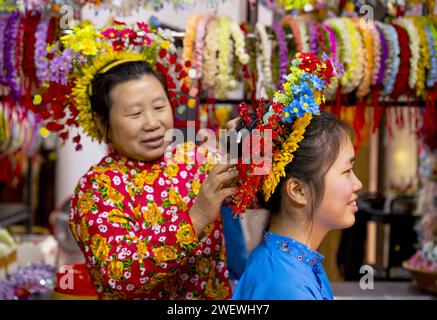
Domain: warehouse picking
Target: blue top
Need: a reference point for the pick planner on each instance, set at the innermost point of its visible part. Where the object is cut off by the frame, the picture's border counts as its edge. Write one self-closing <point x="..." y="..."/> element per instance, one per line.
<point x="281" y="268"/>
<point x="236" y="255"/>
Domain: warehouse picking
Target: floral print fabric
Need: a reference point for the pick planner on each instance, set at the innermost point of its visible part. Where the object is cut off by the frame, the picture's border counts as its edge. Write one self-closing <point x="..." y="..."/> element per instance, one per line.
<point x="131" y="221"/>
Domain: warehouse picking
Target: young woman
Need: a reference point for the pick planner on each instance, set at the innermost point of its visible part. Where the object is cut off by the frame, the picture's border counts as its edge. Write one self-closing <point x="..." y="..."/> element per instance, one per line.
<point x="318" y="194"/>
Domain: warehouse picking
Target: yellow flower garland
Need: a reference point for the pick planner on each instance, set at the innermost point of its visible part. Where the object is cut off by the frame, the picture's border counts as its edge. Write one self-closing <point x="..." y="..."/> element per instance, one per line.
<point x="81" y="91"/>
<point x="285" y="156"/>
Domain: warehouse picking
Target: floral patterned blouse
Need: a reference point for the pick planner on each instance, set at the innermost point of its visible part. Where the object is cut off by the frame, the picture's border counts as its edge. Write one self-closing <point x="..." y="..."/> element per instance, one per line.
<point x="131" y="221"/>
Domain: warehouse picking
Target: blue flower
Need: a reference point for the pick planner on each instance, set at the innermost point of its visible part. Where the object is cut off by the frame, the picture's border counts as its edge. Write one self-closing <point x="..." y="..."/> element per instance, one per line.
<point x="308" y="104"/>
<point x="317" y="82"/>
<point x="302" y="89"/>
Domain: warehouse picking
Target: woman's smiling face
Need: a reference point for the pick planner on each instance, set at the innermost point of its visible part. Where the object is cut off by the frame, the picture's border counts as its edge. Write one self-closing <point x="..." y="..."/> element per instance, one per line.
<point x="139" y="117"/>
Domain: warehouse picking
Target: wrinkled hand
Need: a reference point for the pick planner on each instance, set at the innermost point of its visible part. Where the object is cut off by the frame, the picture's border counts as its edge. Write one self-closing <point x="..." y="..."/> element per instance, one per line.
<point x="232" y="124"/>
<point x="215" y="188"/>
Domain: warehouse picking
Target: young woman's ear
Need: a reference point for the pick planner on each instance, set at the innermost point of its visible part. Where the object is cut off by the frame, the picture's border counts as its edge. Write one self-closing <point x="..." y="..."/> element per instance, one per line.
<point x="295" y="191"/>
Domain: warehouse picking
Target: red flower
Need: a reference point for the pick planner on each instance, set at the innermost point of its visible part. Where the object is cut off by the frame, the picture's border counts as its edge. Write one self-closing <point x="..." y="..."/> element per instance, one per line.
<point x="144" y="26"/>
<point x="162" y="53"/>
<point x="120" y="23"/>
<point x="117" y="45"/>
<point x="183" y="99"/>
<point x="173" y="58"/>
<point x="111" y="33"/>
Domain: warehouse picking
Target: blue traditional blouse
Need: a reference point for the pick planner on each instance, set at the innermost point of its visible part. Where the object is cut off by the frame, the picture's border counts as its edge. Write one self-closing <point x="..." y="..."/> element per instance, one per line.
<point x="281" y="268"/>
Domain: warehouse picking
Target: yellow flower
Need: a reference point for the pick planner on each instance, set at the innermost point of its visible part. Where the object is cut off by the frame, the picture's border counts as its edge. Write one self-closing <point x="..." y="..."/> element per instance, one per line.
<point x="139" y="180"/>
<point x="164" y="253"/>
<point x="285" y="156"/>
<point x="174" y="197"/>
<point x="99" y="248"/>
<point x="116" y="216"/>
<point x="114" y="195"/>
<point x="165" y="44"/>
<point x="151" y="177"/>
<point x="142" y="249"/>
<point x="137" y="212"/>
<point x="185" y="235"/>
<point x="217" y="292"/>
<point x="209" y="228"/>
<point x="85" y="203"/>
<point x="195" y="186"/>
<point x="203" y="266"/>
<point x="88" y="47"/>
<point x="152" y="214"/>
<point x="103" y="180"/>
<point x="172" y="170"/>
<point x="115" y="270"/>
<point x="84" y="235"/>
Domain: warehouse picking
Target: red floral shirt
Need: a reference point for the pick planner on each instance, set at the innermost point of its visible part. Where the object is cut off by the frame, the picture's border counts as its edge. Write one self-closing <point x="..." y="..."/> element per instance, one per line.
<point x="131" y="221"/>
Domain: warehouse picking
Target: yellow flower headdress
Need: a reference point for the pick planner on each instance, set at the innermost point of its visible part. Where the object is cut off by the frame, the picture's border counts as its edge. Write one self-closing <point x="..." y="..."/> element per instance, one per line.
<point x="78" y="57"/>
<point x="289" y="114"/>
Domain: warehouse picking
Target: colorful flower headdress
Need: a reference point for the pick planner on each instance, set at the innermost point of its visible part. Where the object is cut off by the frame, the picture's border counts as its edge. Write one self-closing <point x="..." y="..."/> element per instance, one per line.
<point x="79" y="56"/>
<point x="289" y="113"/>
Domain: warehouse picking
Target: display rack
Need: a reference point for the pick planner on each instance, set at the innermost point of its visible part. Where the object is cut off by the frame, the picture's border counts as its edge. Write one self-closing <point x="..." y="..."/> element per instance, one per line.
<point x="13" y="213"/>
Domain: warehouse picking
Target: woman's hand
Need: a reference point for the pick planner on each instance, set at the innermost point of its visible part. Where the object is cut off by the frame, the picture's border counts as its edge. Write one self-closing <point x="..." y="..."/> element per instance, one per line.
<point x="215" y="188"/>
<point x="232" y="124"/>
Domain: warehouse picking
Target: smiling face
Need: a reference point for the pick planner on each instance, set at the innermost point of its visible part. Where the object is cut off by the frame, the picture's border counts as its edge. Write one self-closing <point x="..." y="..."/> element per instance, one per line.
<point x="338" y="206"/>
<point x="140" y="114"/>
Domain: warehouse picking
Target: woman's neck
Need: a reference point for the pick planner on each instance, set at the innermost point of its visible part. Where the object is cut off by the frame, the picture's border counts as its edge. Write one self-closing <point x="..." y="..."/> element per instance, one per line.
<point x="301" y="231"/>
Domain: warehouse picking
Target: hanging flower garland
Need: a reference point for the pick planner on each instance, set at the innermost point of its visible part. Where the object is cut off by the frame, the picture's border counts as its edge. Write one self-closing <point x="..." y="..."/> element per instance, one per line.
<point x="295" y="29"/>
<point x="239" y="43"/>
<point x="304" y="34"/>
<point x="334" y="54"/>
<point x="364" y="87"/>
<point x="265" y="57"/>
<point x="210" y="56"/>
<point x="29" y="69"/>
<point x="351" y="52"/>
<point x="188" y="43"/>
<point x="199" y="44"/>
<point x="424" y="60"/>
<point x="41" y="63"/>
<point x="431" y="35"/>
<point x="282" y="53"/>
<point x="224" y="81"/>
<point x="321" y="41"/>
<point x="312" y="37"/>
<point x="383" y="60"/>
<point x="401" y="83"/>
<point x="10" y="55"/>
<point x="414" y="44"/>
<point x="3" y="24"/>
<point x="392" y="61"/>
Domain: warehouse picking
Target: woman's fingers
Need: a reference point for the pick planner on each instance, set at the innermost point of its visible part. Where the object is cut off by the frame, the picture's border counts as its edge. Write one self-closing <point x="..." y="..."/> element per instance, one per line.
<point x="219" y="168"/>
<point x="224" y="177"/>
<point x="227" y="192"/>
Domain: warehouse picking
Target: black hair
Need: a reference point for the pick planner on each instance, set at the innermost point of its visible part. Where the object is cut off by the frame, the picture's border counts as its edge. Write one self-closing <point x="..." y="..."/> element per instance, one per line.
<point x="103" y="83"/>
<point x="316" y="153"/>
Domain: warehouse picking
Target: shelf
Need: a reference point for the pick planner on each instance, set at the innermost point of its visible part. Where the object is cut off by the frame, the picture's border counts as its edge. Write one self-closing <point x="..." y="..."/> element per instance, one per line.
<point x="11" y="213"/>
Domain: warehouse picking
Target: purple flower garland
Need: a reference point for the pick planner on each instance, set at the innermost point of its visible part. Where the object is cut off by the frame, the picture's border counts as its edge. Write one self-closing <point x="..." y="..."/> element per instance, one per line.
<point x="384" y="55"/>
<point x="3" y="24"/>
<point x="332" y="41"/>
<point x="10" y="51"/>
<point x="313" y="38"/>
<point x="283" y="54"/>
<point x="41" y="62"/>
